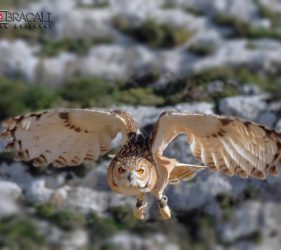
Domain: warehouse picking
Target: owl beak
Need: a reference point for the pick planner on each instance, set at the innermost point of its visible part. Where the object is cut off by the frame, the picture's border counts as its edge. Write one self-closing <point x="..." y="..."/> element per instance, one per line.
<point x="130" y="177"/>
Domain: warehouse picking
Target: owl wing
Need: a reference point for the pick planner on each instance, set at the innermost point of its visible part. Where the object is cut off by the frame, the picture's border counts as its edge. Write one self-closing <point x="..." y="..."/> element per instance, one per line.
<point x="65" y="136"/>
<point x="184" y="172"/>
<point x="226" y="144"/>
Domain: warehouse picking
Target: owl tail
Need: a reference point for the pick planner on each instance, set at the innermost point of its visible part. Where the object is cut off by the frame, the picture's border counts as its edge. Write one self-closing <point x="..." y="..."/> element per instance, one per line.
<point x="184" y="172"/>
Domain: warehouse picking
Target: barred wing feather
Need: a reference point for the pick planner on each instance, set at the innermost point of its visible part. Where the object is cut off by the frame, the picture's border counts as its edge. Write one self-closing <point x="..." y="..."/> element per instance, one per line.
<point x="64" y="136"/>
<point x="226" y="144"/>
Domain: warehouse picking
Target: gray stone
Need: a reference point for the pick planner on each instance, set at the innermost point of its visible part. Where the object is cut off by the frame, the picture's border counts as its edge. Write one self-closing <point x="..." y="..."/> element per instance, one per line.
<point x="241" y="9"/>
<point x="235" y="53"/>
<point x="184" y="196"/>
<point x="200" y="107"/>
<point x="77" y="239"/>
<point x="53" y="71"/>
<point x="244" y="222"/>
<point x="271" y="230"/>
<point x="180" y="150"/>
<point x="36" y="189"/>
<point x="215" y="87"/>
<point x="114" y="61"/>
<point x="2" y="143"/>
<point x="96" y="178"/>
<point x="253" y="218"/>
<point x="17" y="57"/>
<point x="87" y="200"/>
<point x="267" y="119"/>
<point x="9" y="194"/>
<point x="274" y="106"/>
<point x="52" y="5"/>
<point x="249" y="107"/>
<point x="250" y="89"/>
<point x="89" y="22"/>
<point x="72" y="240"/>
<point x="127" y="241"/>
<point x="274" y="5"/>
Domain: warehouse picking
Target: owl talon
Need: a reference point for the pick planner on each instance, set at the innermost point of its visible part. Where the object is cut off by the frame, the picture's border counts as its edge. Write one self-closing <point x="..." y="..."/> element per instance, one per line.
<point x="139" y="210"/>
<point x="164" y="209"/>
<point x="165" y="213"/>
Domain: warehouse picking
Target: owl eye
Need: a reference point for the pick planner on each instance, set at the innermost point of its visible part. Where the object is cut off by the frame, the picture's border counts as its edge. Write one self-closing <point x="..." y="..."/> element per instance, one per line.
<point x="121" y="170"/>
<point x="140" y="171"/>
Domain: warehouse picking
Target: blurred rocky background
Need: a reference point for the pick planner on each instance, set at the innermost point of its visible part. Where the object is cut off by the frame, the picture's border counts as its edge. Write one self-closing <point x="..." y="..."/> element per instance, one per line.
<point x="208" y="56"/>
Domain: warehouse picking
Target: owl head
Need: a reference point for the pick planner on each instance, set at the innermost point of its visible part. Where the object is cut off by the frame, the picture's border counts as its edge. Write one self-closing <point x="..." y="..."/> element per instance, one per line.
<point x="132" y="175"/>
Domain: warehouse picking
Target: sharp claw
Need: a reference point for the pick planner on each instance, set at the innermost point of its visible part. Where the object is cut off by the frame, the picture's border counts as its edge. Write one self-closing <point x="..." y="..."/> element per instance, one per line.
<point x="165" y="213"/>
<point x="144" y="206"/>
<point x="139" y="211"/>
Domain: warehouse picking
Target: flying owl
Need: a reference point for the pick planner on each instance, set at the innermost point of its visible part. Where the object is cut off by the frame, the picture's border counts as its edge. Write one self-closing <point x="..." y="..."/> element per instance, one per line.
<point x="69" y="137"/>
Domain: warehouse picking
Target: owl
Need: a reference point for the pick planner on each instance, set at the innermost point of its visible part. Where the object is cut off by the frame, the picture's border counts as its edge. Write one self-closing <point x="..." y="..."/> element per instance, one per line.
<point x="69" y="137"/>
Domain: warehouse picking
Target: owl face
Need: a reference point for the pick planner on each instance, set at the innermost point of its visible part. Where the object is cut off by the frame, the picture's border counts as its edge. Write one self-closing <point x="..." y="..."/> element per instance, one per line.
<point x="132" y="175"/>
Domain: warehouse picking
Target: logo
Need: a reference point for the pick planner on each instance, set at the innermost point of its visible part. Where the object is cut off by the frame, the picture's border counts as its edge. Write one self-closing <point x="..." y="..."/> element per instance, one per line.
<point x="3" y="16"/>
<point x="25" y="19"/>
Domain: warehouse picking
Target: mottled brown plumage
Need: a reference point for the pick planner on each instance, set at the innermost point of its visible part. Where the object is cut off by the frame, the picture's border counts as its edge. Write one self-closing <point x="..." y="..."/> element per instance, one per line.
<point x="69" y="137"/>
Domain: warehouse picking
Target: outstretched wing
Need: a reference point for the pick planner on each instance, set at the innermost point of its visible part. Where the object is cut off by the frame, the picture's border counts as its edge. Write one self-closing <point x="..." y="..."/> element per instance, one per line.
<point x="65" y="136"/>
<point x="226" y="144"/>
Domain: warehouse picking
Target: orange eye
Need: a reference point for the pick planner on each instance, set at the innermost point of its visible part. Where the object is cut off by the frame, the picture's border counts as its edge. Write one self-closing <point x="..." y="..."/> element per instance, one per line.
<point x="140" y="171"/>
<point x="121" y="170"/>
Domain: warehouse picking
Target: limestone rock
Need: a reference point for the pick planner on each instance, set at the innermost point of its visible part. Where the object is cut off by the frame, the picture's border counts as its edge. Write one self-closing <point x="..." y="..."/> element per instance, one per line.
<point x="248" y="107"/>
<point x="17" y="57"/>
<point x="9" y="195"/>
<point x="129" y="241"/>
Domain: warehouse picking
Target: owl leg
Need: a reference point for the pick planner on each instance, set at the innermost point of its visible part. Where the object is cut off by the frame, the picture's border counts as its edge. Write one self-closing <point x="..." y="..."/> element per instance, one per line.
<point x="140" y="206"/>
<point x="164" y="209"/>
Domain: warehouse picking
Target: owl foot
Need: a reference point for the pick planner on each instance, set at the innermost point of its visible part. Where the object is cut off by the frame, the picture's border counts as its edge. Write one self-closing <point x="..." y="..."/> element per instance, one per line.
<point x="164" y="209"/>
<point x="139" y="210"/>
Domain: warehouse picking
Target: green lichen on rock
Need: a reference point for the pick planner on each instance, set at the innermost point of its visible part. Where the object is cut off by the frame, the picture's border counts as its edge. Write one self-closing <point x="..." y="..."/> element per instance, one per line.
<point x="240" y="28"/>
<point x="123" y="216"/>
<point x="202" y="49"/>
<point x="226" y="204"/>
<point x="96" y="5"/>
<point x="79" y="46"/>
<point x="18" y="97"/>
<point x="152" y="33"/>
<point x="193" y="10"/>
<point x="269" y="13"/>
<point x="86" y="91"/>
<point x="65" y="219"/>
<point x="20" y="233"/>
<point x="146" y="96"/>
